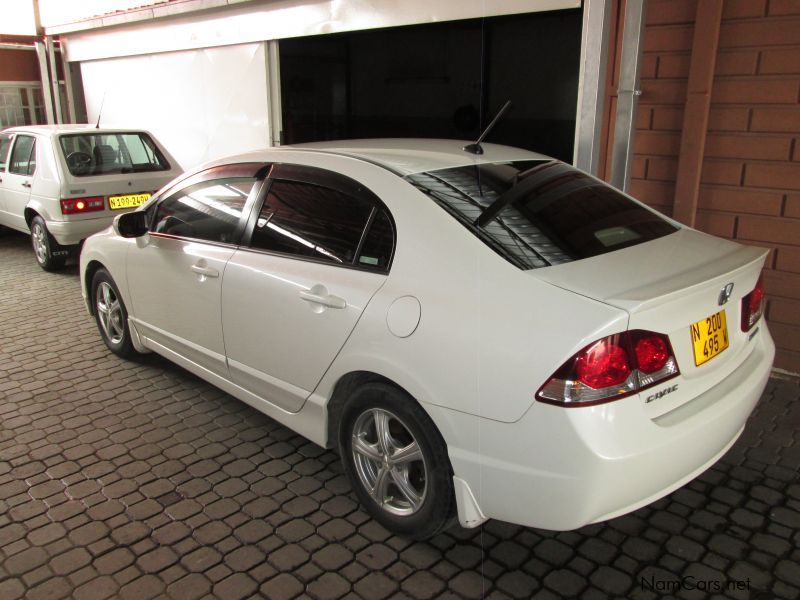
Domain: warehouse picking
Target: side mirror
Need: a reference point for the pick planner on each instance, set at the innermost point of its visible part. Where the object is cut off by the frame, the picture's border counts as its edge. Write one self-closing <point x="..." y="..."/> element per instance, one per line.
<point x="132" y="224"/>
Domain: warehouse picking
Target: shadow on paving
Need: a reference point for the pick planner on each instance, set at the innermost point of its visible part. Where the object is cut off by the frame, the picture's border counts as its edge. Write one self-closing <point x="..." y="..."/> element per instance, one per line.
<point x="136" y="479"/>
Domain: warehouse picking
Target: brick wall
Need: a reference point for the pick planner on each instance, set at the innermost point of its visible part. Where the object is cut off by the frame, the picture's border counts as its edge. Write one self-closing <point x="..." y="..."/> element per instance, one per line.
<point x="18" y="65"/>
<point x="750" y="178"/>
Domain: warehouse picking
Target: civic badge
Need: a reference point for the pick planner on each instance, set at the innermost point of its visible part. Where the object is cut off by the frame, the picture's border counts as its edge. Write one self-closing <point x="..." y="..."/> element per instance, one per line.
<point x="725" y="294"/>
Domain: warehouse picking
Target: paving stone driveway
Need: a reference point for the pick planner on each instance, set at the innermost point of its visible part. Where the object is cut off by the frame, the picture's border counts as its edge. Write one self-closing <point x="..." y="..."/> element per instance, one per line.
<point x="137" y="480"/>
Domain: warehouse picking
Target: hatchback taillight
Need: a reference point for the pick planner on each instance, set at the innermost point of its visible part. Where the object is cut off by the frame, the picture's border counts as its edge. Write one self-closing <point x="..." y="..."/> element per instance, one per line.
<point x="753" y="306"/>
<point x="611" y="368"/>
<point x="74" y="206"/>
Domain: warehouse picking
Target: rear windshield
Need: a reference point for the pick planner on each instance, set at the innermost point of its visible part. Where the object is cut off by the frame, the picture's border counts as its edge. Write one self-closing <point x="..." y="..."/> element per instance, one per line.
<point x="542" y="212"/>
<point x="106" y="153"/>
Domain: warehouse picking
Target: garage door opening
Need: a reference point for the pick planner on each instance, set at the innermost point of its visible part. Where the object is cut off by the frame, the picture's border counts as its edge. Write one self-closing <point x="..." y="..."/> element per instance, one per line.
<point x="438" y="80"/>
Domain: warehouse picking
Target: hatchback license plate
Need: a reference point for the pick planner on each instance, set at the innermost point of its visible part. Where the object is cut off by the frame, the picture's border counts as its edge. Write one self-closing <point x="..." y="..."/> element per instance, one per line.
<point x="127" y="201"/>
<point x="709" y="337"/>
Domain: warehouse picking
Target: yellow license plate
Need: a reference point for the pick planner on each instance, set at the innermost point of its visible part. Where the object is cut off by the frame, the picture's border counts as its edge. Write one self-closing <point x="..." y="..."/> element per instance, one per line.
<point x="709" y="337"/>
<point x="127" y="201"/>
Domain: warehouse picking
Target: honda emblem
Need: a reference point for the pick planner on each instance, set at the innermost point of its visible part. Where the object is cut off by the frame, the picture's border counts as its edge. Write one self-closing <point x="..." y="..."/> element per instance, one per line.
<point x="725" y="294"/>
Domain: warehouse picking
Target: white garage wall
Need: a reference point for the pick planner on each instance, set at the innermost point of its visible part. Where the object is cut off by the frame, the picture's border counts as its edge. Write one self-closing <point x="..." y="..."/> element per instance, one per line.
<point x="174" y="27"/>
<point x="202" y="104"/>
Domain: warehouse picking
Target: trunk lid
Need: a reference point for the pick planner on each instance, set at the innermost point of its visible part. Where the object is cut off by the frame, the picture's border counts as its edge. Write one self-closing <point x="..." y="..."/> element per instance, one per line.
<point x="666" y="286"/>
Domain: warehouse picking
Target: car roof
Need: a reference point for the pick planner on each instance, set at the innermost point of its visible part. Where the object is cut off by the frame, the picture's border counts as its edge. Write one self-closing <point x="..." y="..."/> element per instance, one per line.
<point x="403" y="156"/>
<point x="52" y="130"/>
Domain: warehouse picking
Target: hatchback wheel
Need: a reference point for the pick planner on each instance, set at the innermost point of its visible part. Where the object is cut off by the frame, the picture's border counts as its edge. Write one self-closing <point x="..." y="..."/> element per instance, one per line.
<point x="396" y="461"/>
<point x="111" y="315"/>
<point x="44" y="245"/>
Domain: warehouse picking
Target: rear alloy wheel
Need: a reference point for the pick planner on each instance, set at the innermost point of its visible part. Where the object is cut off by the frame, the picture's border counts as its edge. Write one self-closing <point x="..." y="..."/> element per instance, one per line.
<point x="44" y="245"/>
<point x="396" y="461"/>
<point x="111" y="315"/>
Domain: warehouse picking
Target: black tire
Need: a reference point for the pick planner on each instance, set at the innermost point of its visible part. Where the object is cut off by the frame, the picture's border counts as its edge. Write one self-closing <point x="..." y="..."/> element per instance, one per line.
<point x="111" y="315"/>
<point x="44" y="246"/>
<point x="428" y="480"/>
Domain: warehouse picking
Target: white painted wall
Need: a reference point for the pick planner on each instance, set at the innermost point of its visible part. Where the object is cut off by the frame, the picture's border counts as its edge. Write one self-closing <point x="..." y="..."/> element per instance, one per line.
<point x="202" y="104"/>
<point x="57" y="12"/>
<point x="17" y="17"/>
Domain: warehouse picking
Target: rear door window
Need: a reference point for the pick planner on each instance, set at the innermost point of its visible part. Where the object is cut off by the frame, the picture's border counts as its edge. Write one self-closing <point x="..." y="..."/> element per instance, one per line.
<point x="111" y="153"/>
<point x="318" y="215"/>
<point x="376" y="248"/>
<point x="23" y="156"/>
<point x="541" y="213"/>
<point x="312" y="221"/>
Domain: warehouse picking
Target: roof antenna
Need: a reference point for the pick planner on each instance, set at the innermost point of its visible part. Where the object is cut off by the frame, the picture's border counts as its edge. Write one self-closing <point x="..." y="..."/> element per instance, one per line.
<point x="100" y="112"/>
<point x="476" y="147"/>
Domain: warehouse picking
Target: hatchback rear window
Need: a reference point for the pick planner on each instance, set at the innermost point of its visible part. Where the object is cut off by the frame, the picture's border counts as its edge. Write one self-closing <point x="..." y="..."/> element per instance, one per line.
<point x="541" y="213"/>
<point x="107" y="153"/>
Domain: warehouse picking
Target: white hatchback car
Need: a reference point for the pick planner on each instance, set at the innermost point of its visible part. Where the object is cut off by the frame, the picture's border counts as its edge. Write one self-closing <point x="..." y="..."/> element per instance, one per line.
<point x="493" y="336"/>
<point x="63" y="183"/>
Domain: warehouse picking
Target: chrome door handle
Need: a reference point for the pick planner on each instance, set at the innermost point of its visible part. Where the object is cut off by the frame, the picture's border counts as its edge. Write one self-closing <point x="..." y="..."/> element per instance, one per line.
<point x="207" y="271"/>
<point x="26" y="184"/>
<point x="328" y="300"/>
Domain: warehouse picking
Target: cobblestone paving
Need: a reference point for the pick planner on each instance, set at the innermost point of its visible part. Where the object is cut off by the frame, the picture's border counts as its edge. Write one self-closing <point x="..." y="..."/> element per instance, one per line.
<point x="137" y="480"/>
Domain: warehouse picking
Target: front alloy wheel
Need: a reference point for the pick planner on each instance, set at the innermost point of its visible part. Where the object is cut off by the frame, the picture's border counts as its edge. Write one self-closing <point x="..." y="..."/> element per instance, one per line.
<point x="111" y="315"/>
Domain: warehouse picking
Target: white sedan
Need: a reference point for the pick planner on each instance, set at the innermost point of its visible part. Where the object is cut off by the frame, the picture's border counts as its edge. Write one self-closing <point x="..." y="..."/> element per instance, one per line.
<point x="63" y="183"/>
<point x="493" y="335"/>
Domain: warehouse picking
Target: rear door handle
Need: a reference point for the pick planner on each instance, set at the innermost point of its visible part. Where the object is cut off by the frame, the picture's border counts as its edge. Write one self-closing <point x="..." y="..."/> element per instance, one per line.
<point x="26" y="184"/>
<point x="328" y="300"/>
<point x="207" y="271"/>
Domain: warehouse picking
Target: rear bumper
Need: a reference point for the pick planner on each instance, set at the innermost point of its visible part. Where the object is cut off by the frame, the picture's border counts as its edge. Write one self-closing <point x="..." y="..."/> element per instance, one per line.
<point x="560" y="469"/>
<point x="68" y="233"/>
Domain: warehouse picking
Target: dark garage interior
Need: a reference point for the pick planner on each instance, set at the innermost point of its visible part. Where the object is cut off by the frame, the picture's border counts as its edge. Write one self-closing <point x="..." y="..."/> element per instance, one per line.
<point x="442" y="80"/>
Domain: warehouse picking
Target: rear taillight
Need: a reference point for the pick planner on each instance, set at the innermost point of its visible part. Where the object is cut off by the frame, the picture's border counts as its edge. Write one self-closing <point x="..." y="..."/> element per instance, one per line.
<point x="74" y="206"/>
<point x="753" y="306"/>
<point x="611" y="368"/>
<point x="602" y="365"/>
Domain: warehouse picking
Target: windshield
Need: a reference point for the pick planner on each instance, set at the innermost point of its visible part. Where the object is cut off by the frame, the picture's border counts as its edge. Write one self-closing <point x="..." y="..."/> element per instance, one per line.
<point x="106" y="153"/>
<point x="541" y="213"/>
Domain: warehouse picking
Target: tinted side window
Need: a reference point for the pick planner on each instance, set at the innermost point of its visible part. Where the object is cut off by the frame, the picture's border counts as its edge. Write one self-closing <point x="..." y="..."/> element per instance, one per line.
<point x="376" y="250"/>
<point x="5" y="144"/>
<point x="312" y="221"/>
<point x="23" y="156"/>
<point x="209" y="210"/>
